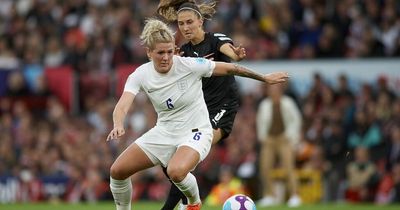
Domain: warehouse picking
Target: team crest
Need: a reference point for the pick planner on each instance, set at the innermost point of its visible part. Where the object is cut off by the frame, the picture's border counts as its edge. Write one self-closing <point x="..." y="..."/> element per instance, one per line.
<point x="182" y="85"/>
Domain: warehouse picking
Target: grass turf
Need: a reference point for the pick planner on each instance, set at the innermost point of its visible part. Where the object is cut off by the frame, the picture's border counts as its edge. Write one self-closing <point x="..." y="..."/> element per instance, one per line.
<point x="157" y="206"/>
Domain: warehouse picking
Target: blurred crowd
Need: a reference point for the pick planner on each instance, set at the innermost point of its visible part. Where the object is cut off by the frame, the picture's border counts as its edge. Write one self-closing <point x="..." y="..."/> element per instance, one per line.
<point x="96" y="35"/>
<point x="344" y="133"/>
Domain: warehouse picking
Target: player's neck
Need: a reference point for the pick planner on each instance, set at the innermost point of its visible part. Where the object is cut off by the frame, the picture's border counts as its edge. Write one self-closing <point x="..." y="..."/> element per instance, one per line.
<point x="199" y="38"/>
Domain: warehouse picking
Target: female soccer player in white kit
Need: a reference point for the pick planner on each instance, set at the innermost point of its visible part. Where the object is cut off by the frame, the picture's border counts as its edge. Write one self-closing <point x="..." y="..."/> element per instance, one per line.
<point x="182" y="135"/>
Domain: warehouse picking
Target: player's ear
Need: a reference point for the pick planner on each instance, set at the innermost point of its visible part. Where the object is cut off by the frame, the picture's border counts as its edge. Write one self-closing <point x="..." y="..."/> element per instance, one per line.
<point x="148" y="52"/>
<point x="201" y="22"/>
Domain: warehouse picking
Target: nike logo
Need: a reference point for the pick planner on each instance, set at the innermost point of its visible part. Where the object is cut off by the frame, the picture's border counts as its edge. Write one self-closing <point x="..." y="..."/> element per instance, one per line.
<point x="197" y="54"/>
<point x="151" y="90"/>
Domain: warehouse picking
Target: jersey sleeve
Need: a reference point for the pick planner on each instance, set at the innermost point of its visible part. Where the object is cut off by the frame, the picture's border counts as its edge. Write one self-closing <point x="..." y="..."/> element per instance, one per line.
<point x="201" y="66"/>
<point x="133" y="84"/>
<point x="219" y="39"/>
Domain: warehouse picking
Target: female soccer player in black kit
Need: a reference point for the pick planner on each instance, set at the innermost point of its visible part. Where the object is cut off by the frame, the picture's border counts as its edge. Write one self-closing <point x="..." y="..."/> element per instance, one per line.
<point x="220" y="92"/>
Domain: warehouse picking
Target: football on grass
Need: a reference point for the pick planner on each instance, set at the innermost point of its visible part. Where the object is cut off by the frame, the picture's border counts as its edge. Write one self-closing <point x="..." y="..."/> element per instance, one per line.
<point x="239" y="202"/>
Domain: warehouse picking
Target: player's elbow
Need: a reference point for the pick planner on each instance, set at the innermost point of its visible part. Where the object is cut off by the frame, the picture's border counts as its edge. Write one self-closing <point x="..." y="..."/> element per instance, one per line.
<point x="226" y="69"/>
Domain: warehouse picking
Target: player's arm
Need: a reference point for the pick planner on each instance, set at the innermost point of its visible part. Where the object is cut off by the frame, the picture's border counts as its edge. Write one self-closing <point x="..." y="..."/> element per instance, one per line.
<point x="235" y="53"/>
<point x="119" y="114"/>
<point x="222" y="68"/>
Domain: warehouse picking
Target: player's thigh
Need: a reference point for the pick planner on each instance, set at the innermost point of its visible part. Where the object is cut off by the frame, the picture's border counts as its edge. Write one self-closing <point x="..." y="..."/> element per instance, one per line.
<point x="130" y="161"/>
<point x="222" y="122"/>
<point x="182" y="162"/>
<point x="193" y="149"/>
<point x="217" y="135"/>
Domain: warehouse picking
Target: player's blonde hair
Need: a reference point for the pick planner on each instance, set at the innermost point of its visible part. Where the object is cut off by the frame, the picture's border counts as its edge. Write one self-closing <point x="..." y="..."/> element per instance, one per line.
<point x="155" y="31"/>
<point x="169" y="9"/>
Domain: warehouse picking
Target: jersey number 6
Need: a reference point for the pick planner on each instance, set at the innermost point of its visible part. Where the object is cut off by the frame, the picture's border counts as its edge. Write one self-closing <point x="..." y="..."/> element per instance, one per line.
<point x="197" y="136"/>
<point x="170" y="105"/>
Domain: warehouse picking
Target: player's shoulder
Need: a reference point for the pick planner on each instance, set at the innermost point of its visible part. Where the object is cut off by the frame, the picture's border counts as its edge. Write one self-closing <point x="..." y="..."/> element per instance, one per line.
<point x="140" y="70"/>
<point x="143" y="67"/>
<point x="188" y="61"/>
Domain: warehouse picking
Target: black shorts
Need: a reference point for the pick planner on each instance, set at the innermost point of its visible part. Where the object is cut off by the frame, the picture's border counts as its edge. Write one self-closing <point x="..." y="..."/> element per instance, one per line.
<point x="223" y="118"/>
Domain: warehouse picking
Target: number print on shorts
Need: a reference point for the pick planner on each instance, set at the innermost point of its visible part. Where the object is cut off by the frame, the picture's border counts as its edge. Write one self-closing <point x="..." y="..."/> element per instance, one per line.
<point x="219" y="116"/>
<point x="197" y="136"/>
<point x="170" y="105"/>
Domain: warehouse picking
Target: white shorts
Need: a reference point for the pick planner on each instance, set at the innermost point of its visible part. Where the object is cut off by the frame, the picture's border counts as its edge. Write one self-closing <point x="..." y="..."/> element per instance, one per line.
<point x="160" y="146"/>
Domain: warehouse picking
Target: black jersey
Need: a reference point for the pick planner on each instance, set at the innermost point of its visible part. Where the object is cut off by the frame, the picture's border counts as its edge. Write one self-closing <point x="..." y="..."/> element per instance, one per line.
<point x="218" y="90"/>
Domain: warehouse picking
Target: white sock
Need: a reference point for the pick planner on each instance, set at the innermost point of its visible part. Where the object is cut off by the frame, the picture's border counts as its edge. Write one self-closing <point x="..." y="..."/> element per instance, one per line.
<point x="122" y="193"/>
<point x="189" y="188"/>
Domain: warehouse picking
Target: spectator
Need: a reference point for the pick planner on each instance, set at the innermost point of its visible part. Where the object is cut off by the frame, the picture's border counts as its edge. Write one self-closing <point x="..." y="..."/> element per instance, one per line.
<point x="365" y="133"/>
<point x="278" y="129"/>
<point x="396" y="183"/>
<point x="16" y="85"/>
<point x="334" y="152"/>
<point x="393" y="148"/>
<point x="362" y="177"/>
<point x="228" y="186"/>
<point x="54" y="53"/>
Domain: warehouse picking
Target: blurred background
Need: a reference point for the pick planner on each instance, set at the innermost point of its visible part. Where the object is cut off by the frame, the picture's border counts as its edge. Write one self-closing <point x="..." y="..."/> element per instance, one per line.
<point x="63" y="65"/>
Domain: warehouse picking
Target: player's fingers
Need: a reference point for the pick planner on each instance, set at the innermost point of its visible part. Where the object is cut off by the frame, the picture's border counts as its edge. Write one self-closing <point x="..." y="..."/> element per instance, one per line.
<point x="240" y="48"/>
<point x="110" y="136"/>
<point x="121" y="133"/>
<point x="114" y="135"/>
<point x="286" y="75"/>
<point x="232" y="47"/>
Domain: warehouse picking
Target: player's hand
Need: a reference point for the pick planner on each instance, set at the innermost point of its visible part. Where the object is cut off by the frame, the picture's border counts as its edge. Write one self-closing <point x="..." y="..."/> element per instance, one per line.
<point x="239" y="51"/>
<point x="276" y="77"/>
<point x="178" y="51"/>
<point x="116" y="133"/>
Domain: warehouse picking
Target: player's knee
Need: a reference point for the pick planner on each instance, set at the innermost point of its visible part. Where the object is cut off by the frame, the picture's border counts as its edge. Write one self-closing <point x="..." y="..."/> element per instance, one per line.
<point x="176" y="173"/>
<point x="116" y="172"/>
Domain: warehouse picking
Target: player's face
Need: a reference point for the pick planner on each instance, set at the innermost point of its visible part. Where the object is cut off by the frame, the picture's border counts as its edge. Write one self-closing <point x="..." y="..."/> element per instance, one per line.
<point x="161" y="56"/>
<point x="190" y="25"/>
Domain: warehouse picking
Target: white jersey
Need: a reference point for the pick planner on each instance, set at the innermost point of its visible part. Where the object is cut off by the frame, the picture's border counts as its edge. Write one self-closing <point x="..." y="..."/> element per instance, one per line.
<point x="177" y="96"/>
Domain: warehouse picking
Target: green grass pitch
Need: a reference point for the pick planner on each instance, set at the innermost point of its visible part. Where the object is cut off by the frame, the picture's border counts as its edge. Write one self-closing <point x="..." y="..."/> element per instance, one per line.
<point x="157" y="206"/>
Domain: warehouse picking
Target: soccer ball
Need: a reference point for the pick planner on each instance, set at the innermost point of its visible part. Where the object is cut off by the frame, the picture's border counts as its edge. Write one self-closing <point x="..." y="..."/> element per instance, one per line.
<point x="239" y="202"/>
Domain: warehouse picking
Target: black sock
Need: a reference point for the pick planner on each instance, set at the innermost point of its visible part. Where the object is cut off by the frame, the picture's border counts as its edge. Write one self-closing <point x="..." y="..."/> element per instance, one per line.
<point x="174" y="196"/>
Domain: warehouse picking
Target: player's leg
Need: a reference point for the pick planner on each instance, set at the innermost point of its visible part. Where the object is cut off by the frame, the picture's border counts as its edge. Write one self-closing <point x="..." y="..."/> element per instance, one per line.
<point x="184" y="160"/>
<point x="174" y="195"/>
<point x="222" y="122"/>
<point x="190" y="152"/>
<point x="120" y="172"/>
<point x="217" y="135"/>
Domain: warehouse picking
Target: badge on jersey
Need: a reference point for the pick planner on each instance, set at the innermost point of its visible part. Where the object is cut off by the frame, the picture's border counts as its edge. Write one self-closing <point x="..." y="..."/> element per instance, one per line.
<point x="182" y="85"/>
